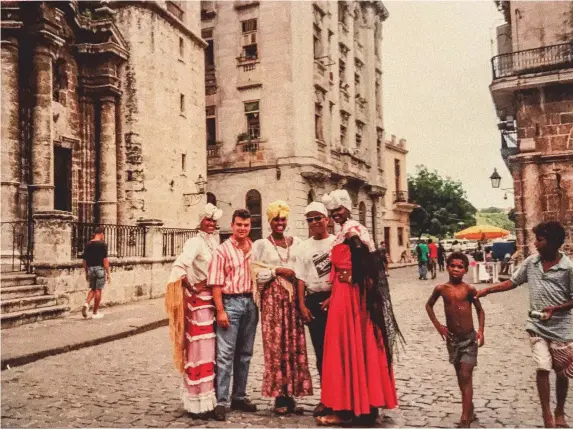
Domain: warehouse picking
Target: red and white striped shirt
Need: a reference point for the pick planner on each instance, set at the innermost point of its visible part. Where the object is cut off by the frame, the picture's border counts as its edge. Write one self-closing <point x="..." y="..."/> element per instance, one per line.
<point x="230" y="268"/>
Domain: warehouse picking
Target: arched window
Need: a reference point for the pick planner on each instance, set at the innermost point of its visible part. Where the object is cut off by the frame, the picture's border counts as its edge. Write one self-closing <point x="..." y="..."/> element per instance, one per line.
<point x="362" y="213"/>
<point x="211" y="198"/>
<point x="253" y="204"/>
<point x="310" y="197"/>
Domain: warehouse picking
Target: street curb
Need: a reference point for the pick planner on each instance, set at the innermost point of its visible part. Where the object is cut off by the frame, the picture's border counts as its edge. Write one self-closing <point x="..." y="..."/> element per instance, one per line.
<point x="38" y="355"/>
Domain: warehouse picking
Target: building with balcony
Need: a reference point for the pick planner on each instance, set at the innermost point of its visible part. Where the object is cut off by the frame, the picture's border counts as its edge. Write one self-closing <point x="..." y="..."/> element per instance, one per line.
<point x="103" y="104"/>
<point x="294" y="106"/>
<point x="532" y="90"/>
<point x="397" y="207"/>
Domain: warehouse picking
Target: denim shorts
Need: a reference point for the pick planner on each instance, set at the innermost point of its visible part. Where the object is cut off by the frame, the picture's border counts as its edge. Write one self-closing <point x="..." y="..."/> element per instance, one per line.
<point x="96" y="277"/>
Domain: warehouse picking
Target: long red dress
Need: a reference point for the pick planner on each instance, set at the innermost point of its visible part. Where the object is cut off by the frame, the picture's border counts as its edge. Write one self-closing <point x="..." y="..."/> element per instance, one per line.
<point x="355" y="371"/>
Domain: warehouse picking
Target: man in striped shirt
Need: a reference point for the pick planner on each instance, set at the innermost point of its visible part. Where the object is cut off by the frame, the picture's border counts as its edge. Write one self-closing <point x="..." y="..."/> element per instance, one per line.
<point x="237" y="315"/>
<point x="550" y="278"/>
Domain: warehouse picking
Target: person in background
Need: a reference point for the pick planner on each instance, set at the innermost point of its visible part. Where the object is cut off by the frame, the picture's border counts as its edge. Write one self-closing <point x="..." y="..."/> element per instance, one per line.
<point x="549" y="276"/>
<point x="432" y="258"/>
<point x="456" y="246"/>
<point x="423" y="253"/>
<point x="189" y="304"/>
<point x="384" y="257"/>
<point x="313" y="271"/>
<point x="441" y="256"/>
<point x="96" y="266"/>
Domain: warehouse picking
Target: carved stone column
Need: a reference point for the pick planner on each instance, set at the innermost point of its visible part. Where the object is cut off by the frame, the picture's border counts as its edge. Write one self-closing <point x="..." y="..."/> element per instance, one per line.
<point x="42" y="186"/>
<point x="107" y="201"/>
<point x="10" y="130"/>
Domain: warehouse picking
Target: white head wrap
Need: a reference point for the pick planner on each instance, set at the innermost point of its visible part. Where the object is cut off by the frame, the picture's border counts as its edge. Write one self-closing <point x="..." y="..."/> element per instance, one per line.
<point x="336" y="199"/>
<point x="316" y="207"/>
<point x="210" y="211"/>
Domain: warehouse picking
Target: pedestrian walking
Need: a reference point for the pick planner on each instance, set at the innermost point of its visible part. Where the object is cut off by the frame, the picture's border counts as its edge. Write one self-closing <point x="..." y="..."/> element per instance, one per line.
<point x="189" y="304"/>
<point x="456" y="246"/>
<point x="236" y="315"/>
<point x="96" y="267"/>
<point x="361" y="331"/>
<point x="432" y="258"/>
<point x="441" y="256"/>
<point x="461" y="338"/>
<point x="422" y="252"/>
<point x="549" y="275"/>
<point x="313" y="271"/>
<point x="287" y="374"/>
<point x="384" y="257"/>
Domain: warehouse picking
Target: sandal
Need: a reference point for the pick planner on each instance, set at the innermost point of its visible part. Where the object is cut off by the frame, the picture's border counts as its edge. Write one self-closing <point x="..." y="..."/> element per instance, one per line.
<point x="332" y="420"/>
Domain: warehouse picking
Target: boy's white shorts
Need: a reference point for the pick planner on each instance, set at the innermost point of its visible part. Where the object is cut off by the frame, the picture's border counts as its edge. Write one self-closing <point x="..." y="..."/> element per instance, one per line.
<point x="541" y="353"/>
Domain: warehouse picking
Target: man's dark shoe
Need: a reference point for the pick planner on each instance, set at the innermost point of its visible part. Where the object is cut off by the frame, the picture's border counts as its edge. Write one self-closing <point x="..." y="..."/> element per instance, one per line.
<point x="244" y="405"/>
<point x="219" y="413"/>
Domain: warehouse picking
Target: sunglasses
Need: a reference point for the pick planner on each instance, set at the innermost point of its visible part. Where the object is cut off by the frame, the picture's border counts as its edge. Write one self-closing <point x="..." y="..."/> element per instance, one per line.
<point x="315" y="219"/>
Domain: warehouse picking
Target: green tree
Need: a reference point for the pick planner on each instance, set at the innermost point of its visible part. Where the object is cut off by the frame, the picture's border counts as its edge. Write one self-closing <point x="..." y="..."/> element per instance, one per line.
<point x="496" y="217"/>
<point x="443" y="207"/>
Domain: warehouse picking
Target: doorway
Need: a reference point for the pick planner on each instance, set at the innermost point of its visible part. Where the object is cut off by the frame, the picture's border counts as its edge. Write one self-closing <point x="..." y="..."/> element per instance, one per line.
<point x="62" y="179"/>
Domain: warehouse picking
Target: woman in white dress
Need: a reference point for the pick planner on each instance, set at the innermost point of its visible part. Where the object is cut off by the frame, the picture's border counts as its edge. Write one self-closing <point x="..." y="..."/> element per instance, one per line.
<point x="189" y="303"/>
<point x="286" y="373"/>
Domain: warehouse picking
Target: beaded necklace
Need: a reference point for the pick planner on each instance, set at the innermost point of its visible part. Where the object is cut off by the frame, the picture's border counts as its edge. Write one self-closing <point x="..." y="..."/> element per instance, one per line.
<point x="277" y="249"/>
<point x="208" y="242"/>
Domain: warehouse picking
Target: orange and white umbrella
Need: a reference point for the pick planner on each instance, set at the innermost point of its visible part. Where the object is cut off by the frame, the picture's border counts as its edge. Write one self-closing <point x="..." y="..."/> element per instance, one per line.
<point x="481" y="232"/>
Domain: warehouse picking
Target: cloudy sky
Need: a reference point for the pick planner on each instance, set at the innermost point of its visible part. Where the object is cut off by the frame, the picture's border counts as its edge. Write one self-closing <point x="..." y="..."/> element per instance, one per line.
<point x="436" y="76"/>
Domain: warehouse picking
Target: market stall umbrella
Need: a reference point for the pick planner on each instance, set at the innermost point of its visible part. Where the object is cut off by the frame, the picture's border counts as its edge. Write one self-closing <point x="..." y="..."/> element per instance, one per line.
<point x="481" y="232"/>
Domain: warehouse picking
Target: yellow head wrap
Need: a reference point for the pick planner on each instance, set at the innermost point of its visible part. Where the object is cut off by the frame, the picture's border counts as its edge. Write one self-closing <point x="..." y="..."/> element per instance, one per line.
<point x="278" y="208"/>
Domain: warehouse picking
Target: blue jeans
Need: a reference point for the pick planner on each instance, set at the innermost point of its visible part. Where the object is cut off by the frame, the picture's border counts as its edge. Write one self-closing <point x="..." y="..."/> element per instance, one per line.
<point x="235" y="347"/>
<point x="423" y="270"/>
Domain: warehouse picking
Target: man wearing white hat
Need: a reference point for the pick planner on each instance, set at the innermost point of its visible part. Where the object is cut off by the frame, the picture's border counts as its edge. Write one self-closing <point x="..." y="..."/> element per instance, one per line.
<point x="313" y="271"/>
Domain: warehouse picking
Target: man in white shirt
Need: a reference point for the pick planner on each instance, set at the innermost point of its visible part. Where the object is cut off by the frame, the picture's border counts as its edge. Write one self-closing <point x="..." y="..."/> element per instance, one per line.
<point x="313" y="272"/>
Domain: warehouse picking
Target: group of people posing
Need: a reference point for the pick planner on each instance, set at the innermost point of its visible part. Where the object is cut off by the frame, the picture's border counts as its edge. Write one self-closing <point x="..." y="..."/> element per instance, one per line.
<point x="335" y="284"/>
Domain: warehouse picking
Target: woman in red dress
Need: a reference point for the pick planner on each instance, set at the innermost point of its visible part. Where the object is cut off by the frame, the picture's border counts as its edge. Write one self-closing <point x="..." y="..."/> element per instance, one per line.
<point x="361" y="329"/>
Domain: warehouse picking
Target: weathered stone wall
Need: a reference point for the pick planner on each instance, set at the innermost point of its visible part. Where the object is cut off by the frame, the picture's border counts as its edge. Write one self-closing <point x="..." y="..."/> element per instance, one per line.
<point x="543" y="171"/>
<point x="540" y="23"/>
<point x="160" y="128"/>
<point x="132" y="279"/>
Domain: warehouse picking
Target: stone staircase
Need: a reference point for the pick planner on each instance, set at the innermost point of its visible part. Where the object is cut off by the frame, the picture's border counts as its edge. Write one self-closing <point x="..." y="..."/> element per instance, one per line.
<point x="24" y="300"/>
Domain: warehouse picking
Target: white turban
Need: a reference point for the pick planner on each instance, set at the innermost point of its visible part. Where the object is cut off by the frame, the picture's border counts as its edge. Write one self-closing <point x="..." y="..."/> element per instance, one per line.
<point x="336" y="199"/>
<point x="210" y="211"/>
<point x="316" y="207"/>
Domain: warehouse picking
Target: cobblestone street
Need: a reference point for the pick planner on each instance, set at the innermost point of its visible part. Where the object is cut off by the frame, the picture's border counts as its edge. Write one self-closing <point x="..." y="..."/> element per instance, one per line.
<point x="132" y="383"/>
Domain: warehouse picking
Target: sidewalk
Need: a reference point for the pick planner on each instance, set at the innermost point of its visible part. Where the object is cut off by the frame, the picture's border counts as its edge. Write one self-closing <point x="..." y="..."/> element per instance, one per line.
<point x="31" y="342"/>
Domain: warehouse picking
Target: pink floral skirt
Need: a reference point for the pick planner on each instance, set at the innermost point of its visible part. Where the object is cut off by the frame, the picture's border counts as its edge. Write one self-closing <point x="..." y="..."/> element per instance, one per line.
<point x="284" y="344"/>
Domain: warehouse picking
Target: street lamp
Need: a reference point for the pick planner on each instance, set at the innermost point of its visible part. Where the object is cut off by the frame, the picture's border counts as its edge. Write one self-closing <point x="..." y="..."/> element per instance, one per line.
<point x="191" y="199"/>
<point x="495" y="179"/>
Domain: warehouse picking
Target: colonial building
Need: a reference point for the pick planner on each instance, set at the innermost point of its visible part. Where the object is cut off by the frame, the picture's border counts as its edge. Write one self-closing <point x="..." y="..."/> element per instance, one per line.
<point x="294" y="106"/>
<point x="532" y="90"/>
<point x="102" y="123"/>
<point x="397" y="208"/>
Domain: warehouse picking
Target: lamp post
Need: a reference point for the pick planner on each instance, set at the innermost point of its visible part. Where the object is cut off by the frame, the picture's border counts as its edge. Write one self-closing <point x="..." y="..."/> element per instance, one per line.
<point x="192" y="199"/>
<point x="495" y="179"/>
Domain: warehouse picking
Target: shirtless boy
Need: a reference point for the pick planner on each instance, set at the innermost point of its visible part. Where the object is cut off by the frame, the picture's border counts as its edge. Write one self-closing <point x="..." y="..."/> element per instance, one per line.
<point x="461" y="339"/>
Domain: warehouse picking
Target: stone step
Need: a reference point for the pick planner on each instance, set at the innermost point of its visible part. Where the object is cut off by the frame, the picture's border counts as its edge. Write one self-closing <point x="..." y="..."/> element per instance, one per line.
<point x="17" y="279"/>
<point x="7" y="293"/>
<point x="27" y="303"/>
<point x="14" y="319"/>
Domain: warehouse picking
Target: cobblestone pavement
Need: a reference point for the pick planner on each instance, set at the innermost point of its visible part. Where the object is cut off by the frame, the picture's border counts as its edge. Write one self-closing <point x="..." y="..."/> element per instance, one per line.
<point x="131" y="382"/>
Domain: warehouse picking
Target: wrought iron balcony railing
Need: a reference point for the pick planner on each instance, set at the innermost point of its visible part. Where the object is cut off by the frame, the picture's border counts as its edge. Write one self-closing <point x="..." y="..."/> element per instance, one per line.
<point x="400" y="197"/>
<point x="533" y="60"/>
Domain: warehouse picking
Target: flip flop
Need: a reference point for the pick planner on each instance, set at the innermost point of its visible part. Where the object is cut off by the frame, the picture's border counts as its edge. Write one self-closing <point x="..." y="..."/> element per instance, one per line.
<point x="332" y="420"/>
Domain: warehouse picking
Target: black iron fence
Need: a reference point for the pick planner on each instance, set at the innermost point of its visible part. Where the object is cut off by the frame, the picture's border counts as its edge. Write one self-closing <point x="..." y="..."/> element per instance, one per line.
<point x="400" y="197"/>
<point x="122" y="240"/>
<point x="532" y="60"/>
<point x="17" y="246"/>
<point x="174" y="239"/>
